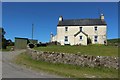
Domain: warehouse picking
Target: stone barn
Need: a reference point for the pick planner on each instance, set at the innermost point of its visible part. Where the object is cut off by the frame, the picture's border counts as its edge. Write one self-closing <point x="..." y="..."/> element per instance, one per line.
<point x="21" y="43"/>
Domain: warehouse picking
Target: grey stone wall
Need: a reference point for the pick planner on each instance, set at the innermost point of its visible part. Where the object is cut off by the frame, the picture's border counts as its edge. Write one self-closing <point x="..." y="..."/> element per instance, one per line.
<point x="74" y="59"/>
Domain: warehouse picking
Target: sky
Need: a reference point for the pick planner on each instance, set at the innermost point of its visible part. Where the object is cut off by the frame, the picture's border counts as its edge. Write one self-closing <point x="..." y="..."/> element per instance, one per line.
<point x="0" y="14"/>
<point x="60" y="0"/>
<point x="17" y="17"/>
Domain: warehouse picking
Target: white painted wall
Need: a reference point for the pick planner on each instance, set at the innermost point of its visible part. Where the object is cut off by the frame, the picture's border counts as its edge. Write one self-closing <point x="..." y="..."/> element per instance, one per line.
<point x="82" y="41"/>
<point x="72" y="30"/>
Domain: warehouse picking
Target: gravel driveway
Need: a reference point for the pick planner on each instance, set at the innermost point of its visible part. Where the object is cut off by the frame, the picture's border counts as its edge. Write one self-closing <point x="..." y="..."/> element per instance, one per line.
<point x="11" y="70"/>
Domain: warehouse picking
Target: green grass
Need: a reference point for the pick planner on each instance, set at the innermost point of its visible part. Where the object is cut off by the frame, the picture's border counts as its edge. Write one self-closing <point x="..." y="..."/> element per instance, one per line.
<point x="113" y="42"/>
<point x="117" y="40"/>
<point x="97" y="50"/>
<point x="66" y="70"/>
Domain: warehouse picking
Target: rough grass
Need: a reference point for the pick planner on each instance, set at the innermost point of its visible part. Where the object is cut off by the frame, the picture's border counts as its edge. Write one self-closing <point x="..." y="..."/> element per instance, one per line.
<point x="117" y="40"/>
<point x="66" y="70"/>
<point x="113" y="42"/>
<point x="97" y="50"/>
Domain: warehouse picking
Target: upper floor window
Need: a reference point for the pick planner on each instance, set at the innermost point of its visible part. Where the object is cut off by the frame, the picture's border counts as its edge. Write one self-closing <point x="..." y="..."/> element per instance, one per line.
<point x="95" y="39"/>
<point x="66" y="38"/>
<point x="80" y="37"/>
<point x="80" y="29"/>
<point x="66" y="28"/>
<point x="95" y="28"/>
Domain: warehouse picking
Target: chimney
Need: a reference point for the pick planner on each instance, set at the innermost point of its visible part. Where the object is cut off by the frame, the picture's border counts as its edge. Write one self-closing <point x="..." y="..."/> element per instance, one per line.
<point x="102" y="16"/>
<point x="51" y="34"/>
<point x="60" y="18"/>
<point x="51" y="37"/>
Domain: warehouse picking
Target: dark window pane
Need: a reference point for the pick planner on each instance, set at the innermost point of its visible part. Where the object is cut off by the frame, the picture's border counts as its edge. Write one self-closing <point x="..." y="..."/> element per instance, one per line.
<point x="95" y="38"/>
<point x="66" y="38"/>
<point x="66" y="28"/>
<point x="80" y="37"/>
<point x="80" y="28"/>
<point x="95" y="28"/>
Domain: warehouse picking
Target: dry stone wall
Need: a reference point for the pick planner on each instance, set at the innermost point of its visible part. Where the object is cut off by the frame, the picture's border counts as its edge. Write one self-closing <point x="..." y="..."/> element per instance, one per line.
<point x="74" y="59"/>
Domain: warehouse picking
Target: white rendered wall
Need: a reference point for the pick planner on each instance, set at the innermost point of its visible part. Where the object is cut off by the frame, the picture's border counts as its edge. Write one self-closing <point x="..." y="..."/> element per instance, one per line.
<point x="72" y="30"/>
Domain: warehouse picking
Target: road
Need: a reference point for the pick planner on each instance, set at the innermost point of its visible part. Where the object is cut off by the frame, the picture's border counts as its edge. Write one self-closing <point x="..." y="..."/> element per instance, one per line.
<point x="11" y="70"/>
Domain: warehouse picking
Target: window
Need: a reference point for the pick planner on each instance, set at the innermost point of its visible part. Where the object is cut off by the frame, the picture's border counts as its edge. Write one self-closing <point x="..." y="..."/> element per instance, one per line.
<point x="66" y="28"/>
<point x="80" y="37"/>
<point x="95" y="38"/>
<point x="95" y="28"/>
<point x="80" y="29"/>
<point x="66" y="38"/>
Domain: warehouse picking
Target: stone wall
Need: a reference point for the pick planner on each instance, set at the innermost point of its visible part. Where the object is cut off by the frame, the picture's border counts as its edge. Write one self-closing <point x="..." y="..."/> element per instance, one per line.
<point x="74" y="59"/>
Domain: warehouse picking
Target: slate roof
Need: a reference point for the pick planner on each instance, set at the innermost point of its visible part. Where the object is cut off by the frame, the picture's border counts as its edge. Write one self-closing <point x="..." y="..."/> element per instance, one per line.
<point x="81" y="22"/>
<point x="21" y="38"/>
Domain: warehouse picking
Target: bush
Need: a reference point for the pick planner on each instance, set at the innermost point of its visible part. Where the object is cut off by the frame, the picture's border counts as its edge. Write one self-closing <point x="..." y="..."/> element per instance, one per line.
<point x="4" y="43"/>
<point x="31" y="45"/>
<point x="43" y="44"/>
<point x="38" y="45"/>
<point x="53" y="43"/>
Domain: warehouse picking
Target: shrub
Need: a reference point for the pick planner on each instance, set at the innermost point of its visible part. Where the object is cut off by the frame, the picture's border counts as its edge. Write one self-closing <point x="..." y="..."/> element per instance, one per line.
<point x="31" y="45"/>
<point x="43" y="44"/>
<point x="38" y="45"/>
<point x="53" y="43"/>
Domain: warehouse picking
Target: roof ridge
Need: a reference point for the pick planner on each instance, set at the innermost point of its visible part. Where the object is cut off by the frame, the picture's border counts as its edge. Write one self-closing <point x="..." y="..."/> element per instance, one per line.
<point x="83" y="19"/>
<point x="81" y="22"/>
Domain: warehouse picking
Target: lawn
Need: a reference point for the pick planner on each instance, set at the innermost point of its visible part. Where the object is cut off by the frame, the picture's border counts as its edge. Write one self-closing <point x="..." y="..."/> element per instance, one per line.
<point x="66" y="70"/>
<point x="96" y="50"/>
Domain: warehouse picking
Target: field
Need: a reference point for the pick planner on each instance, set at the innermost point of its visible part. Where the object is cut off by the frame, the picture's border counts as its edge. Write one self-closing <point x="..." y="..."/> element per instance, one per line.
<point x="66" y="70"/>
<point x="71" y="70"/>
<point x="114" y="42"/>
<point x="96" y="50"/>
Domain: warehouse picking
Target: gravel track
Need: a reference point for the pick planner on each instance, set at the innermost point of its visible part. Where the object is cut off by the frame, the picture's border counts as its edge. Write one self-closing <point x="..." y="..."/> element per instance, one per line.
<point x="11" y="70"/>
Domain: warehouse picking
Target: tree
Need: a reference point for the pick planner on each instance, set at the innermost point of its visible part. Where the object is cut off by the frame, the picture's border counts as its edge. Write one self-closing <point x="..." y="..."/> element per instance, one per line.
<point x="9" y="42"/>
<point x="4" y="43"/>
<point x="0" y="38"/>
<point x="3" y="40"/>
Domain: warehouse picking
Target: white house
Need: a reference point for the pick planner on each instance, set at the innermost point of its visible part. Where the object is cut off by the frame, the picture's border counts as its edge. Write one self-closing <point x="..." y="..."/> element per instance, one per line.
<point x="81" y="31"/>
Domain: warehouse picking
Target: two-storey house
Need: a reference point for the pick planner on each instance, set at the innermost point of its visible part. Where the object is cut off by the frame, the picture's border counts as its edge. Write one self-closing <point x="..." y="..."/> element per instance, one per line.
<point x="81" y="31"/>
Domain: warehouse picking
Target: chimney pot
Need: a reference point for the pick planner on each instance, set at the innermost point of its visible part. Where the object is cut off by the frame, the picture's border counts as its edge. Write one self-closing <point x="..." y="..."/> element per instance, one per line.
<point x="102" y="16"/>
<point x="60" y="18"/>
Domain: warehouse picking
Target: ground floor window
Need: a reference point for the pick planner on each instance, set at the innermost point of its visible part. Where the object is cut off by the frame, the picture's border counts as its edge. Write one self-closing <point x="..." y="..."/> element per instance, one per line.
<point x="95" y="38"/>
<point x="66" y="38"/>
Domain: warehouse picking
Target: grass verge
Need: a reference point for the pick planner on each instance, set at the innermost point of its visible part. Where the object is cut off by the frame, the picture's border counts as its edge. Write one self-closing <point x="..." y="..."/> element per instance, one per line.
<point x="66" y="70"/>
<point x="96" y="50"/>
